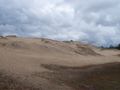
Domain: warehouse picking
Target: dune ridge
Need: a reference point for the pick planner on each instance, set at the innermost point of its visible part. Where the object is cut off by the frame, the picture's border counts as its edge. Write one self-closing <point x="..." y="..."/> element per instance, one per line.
<point x="38" y="63"/>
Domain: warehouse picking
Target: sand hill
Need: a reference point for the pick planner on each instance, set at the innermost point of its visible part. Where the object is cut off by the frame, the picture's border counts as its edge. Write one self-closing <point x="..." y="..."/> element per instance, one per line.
<point x="44" y="64"/>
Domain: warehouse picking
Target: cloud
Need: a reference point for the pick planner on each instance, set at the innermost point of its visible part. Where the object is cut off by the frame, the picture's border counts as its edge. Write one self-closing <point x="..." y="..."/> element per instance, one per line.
<point x="96" y="22"/>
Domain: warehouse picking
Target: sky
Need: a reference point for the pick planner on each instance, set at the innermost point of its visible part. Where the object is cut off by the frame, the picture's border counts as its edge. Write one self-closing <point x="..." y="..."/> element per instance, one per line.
<point x="91" y="21"/>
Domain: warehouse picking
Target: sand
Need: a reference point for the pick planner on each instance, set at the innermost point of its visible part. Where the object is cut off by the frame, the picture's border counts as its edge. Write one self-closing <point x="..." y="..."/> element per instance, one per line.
<point x="23" y="61"/>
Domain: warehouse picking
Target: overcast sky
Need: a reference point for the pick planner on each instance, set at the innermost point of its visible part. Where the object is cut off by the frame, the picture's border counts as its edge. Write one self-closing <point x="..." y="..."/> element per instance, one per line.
<point x="93" y="21"/>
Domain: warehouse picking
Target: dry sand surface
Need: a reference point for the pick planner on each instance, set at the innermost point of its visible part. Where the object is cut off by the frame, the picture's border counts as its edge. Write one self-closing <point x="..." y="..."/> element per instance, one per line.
<point x="44" y="64"/>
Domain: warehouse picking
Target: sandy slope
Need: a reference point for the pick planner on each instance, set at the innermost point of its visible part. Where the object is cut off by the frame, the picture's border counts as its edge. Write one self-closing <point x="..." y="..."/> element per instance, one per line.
<point x="21" y="58"/>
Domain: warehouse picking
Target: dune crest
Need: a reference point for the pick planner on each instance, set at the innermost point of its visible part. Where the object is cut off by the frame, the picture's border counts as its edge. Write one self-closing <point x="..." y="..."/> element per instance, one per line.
<point x="48" y="45"/>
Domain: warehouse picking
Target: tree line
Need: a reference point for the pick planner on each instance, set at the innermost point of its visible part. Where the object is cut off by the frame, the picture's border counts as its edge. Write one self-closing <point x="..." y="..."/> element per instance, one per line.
<point x="112" y="47"/>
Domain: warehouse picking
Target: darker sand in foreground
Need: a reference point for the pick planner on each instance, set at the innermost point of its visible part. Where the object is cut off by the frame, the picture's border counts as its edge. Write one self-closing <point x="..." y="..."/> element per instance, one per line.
<point x="96" y="77"/>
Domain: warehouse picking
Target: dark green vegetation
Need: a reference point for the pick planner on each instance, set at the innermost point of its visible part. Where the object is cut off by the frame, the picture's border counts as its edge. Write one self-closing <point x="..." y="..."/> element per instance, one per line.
<point x="9" y="83"/>
<point x="95" y="77"/>
<point x="71" y="41"/>
<point x="112" y="47"/>
<point x="115" y="47"/>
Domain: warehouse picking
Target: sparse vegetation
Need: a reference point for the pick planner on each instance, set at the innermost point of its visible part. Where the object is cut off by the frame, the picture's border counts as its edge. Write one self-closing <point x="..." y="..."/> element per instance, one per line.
<point x="112" y="47"/>
<point x="11" y="36"/>
<point x="85" y="50"/>
<point x="45" y="64"/>
<point x="71" y="41"/>
<point x="9" y="83"/>
<point x="96" y="77"/>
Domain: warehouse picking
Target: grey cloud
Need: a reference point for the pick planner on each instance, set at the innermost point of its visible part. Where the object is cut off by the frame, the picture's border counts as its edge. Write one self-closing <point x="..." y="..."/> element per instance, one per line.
<point x="93" y="21"/>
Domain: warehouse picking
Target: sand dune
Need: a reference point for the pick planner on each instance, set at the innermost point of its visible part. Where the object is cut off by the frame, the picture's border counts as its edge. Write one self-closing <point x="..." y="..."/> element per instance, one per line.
<point x="22" y="59"/>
